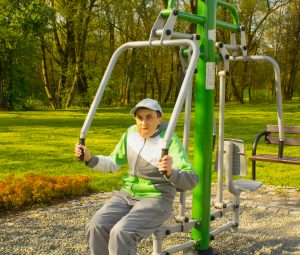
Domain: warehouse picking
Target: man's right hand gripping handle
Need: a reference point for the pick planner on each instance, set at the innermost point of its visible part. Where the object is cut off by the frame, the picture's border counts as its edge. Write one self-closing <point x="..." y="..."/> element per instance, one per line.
<point x="164" y="152"/>
<point x="82" y="142"/>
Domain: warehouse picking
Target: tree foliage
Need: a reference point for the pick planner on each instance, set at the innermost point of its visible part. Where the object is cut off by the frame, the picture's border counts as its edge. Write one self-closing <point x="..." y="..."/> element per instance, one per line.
<point x="56" y="51"/>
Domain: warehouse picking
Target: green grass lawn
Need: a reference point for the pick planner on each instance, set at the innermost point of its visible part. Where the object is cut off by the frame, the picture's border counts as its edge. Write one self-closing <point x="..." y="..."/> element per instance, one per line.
<point x="43" y="142"/>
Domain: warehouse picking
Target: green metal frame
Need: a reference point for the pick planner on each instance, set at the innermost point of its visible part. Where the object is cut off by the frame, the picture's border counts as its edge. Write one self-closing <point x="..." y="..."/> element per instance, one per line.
<point x="204" y="101"/>
<point x="200" y="20"/>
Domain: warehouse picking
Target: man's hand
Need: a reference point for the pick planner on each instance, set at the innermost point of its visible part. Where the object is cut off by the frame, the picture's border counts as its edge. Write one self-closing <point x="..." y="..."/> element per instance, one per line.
<point x="77" y="152"/>
<point x="165" y="165"/>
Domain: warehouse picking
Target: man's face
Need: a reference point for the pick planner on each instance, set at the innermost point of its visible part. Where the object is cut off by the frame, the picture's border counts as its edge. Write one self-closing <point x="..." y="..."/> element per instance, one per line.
<point x="147" y="122"/>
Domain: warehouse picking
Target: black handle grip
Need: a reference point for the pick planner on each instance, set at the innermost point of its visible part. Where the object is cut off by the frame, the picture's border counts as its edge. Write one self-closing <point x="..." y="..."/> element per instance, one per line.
<point x="82" y="142"/>
<point x="164" y="152"/>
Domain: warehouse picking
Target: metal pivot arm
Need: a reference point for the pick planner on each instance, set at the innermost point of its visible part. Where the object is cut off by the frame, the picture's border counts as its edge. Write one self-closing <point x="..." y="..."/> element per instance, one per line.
<point x="186" y="133"/>
<point x="277" y="87"/>
<point x="185" y="87"/>
<point x="225" y="55"/>
<point x="164" y="29"/>
<point x="243" y="42"/>
<point x="143" y="44"/>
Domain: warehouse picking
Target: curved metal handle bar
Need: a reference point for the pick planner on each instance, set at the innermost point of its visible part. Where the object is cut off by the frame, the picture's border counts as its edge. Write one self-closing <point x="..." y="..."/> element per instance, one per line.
<point x="182" y="92"/>
<point x="277" y="86"/>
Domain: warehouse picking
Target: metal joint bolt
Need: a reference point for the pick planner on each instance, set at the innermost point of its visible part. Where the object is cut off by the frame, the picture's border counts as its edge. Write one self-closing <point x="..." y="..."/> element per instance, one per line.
<point x="197" y="37"/>
<point x="168" y="32"/>
<point x="198" y="224"/>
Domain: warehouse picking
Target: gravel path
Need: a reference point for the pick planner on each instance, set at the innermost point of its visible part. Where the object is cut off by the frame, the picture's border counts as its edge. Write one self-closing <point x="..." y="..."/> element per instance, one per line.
<point x="269" y="224"/>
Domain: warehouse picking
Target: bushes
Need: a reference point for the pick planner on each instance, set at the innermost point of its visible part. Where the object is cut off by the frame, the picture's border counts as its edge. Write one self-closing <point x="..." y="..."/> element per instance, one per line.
<point x="17" y="193"/>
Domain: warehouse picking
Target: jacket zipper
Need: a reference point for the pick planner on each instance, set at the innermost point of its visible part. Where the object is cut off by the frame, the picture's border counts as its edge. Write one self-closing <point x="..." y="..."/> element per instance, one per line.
<point x="138" y="157"/>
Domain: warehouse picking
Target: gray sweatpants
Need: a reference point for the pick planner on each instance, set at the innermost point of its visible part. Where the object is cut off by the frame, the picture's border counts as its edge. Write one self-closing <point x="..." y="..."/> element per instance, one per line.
<point x="123" y="221"/>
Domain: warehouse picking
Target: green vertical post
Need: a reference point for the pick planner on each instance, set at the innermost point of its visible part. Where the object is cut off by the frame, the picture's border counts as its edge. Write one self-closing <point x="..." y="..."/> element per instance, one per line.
<point x="204" y="102"/>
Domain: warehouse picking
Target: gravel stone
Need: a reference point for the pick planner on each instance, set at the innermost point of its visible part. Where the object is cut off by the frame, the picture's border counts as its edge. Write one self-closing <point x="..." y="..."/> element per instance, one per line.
<point x="268" y="225"/>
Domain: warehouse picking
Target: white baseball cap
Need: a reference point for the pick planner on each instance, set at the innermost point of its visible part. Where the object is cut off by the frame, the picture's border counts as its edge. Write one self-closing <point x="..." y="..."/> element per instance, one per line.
<point x="147" y="103"/>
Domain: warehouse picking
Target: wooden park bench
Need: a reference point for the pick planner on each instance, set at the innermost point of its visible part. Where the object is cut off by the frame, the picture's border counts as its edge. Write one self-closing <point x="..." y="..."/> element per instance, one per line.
<point x="271" y="137"/>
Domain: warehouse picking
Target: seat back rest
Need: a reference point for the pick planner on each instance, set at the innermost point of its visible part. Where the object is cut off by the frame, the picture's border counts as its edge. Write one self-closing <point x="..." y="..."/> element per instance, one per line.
<point x="292" y="135"/>
<point x="239" y="157"/>
<point x="239" y="167"/>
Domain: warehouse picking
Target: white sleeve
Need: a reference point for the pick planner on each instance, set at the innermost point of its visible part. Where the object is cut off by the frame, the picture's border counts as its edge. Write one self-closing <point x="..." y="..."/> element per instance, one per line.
<point x="103" y="163"/>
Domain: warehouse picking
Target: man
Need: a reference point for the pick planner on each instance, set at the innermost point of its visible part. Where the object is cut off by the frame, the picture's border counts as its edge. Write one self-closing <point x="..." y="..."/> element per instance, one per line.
<point x="146" y="198"/>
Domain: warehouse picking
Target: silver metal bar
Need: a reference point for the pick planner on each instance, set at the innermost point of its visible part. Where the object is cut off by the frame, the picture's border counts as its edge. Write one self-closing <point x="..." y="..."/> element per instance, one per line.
<point x="180" y="247"/>
<point x="233" y="43"/>
<point x="157" y="243"/>
<point x="175" y="35"/>
<point x="166" y="230"/>
<point x="232" y="47"/>
<point x="222" y="228"/>
<point x="187" y="118"/>
<point x="142" y="44"/>
<point x="180" y="217"/>
<point x="183" y="90"/>
<point x="235" y="213"/>
<point x="277" y="86"/>
<point x="188" y="225"/>
<point x="221" y="213"/>
<point x="186" y="135"/>
<point x="222" y="76"/>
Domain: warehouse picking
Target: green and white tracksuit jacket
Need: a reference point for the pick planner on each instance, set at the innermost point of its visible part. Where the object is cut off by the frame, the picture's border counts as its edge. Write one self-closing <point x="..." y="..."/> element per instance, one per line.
<point x="142" y="156"/>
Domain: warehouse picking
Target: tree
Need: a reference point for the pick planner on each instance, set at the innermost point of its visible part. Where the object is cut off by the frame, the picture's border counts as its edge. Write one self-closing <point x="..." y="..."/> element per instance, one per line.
<point x="290" y="44"/>
<point x="70" y="26"/>
<point x="254" y="15"/>
<point x="20" y="21"/>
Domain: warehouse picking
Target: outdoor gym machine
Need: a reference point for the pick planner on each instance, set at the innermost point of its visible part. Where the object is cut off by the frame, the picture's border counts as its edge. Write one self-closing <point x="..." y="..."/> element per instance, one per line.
<point x="198" y="54"/>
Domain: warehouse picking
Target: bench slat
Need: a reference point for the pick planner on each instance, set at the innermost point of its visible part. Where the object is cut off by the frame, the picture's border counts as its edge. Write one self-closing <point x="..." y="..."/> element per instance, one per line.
<point x="276" y="159"/>
<point x="287" y="140"/>
<point x="287" y="129"/>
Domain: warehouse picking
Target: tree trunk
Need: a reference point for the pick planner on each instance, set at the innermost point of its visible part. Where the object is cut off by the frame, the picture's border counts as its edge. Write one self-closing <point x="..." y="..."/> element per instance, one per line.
<point x="171" y="80"/>
<point x="45" y="77"/>
<point x="180" y="77"/>
<point x="2" y="106"/>
<point x="158" y="82"/>
<point x="235" y="90"/>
